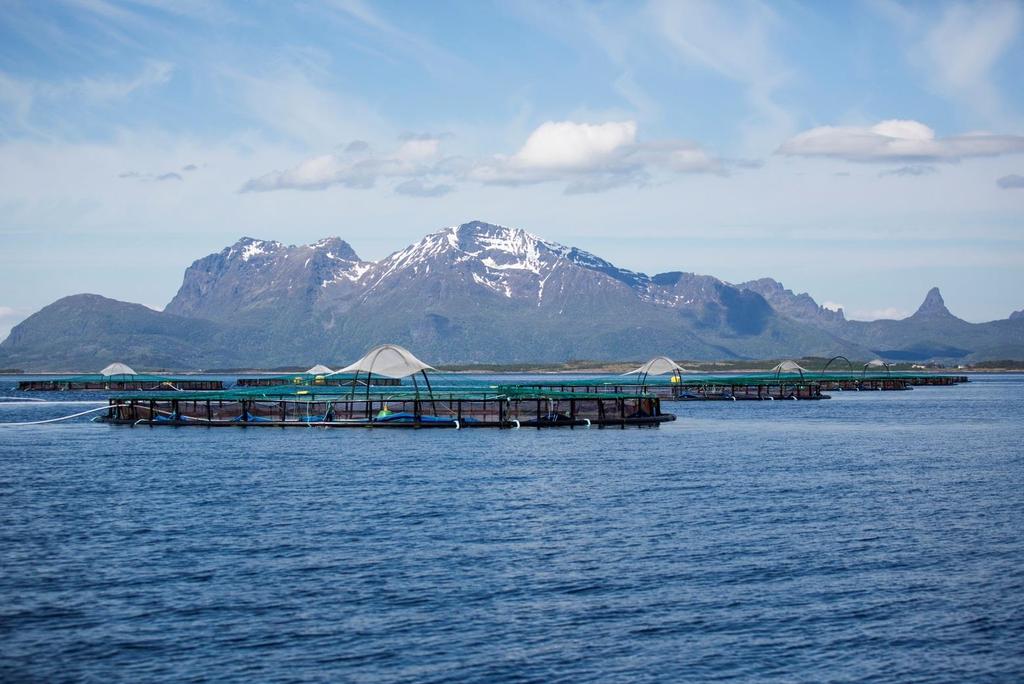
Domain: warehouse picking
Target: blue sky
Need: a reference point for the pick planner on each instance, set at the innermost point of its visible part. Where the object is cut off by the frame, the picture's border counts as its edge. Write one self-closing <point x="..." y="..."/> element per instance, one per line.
<point x="861" y="152"/>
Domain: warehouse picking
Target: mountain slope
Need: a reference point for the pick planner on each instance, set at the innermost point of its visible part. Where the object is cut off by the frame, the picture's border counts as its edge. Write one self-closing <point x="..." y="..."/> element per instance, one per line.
<point x="87" y="331"/>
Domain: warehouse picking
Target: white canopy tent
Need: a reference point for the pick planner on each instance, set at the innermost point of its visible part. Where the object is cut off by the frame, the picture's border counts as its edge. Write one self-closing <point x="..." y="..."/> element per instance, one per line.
<point x="319" y="369"/>
<point x="117" y="369"/>
<point x="789" y="367"/>
<point x="390" y="361"/>
<point x="659" y="365"/>
<point x="875" y="364"/>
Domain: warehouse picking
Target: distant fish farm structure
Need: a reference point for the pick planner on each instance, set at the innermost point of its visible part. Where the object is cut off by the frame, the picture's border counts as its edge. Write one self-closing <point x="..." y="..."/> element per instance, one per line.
<point x="665" y="379"/>
<point x="118" y="377"/>
<point x="365" y="404"/>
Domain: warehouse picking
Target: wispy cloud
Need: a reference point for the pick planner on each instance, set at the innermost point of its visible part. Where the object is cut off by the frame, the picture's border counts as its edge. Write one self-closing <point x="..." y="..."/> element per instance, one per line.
<point x="414" y="187"/>
<point x="910" y="170"/>
<point x="961" y="51"/>
<point x="21" y="97"/>
<point x="293" y="101"/>
<point x="739" y="41"/>
<point x="357" y="167"/>
<point x="437" y="60"/>
<point x="898" y="140"/>
<point x="157" y="177"/>
<point x="1011" y="182"/>
<point x="959" y="48"/>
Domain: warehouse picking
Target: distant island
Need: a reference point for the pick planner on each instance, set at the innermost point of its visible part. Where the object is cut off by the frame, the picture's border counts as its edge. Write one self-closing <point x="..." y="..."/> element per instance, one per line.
<point x="482" y="296"/>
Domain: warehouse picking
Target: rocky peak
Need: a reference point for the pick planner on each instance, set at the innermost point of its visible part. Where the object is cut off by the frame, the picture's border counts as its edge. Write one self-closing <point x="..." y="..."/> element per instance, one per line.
<point x="801" y="307"/>
<point x="335" y="248"/>
<point x="247" y="249"/>
<point x="1017" y="315"/>
<point x="933" y="306"/>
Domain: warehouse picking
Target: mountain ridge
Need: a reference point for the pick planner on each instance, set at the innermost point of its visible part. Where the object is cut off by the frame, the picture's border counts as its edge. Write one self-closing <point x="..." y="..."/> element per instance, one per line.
<point x="476" y="292"/>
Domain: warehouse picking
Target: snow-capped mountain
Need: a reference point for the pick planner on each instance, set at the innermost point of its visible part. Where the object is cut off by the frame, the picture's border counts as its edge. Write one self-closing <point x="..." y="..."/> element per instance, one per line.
<point x="263" y="275"/>
<point x="473" y="292"/>
<point x="509" y="262"/>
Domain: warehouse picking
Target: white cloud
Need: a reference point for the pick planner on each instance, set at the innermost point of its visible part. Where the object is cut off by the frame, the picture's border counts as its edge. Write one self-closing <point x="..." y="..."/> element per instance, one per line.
<point x="897" y="140"/>
<point x="832" y="306"/>
<point x="418" y="149"/>
<point x="592" y="158"/>
<point x="568" y="145"/>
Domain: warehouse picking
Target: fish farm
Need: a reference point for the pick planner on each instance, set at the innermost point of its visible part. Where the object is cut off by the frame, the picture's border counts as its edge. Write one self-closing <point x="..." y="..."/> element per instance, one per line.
<point x="391" y="388"/>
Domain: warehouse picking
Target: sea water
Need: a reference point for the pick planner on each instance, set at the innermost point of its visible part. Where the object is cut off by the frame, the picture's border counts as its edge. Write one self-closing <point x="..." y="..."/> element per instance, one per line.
<point x="876" y="536"/>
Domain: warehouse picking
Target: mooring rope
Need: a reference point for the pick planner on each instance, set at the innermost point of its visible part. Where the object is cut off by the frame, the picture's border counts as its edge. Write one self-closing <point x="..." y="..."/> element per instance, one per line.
<point x="56" y="420"/>
<point x="24" y="399"/>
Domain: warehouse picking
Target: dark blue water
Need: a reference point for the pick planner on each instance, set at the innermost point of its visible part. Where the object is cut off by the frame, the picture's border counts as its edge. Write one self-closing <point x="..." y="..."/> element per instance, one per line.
<point x="876" y="536"/>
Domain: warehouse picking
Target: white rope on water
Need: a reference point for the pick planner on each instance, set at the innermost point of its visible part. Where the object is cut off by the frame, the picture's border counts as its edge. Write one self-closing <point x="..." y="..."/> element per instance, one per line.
<point x="56" y="420"/>
<point x="20" y="399"/>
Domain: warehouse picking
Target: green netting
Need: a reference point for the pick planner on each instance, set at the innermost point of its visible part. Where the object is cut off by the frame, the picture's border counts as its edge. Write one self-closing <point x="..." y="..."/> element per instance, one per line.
<point x="333" y="393"/>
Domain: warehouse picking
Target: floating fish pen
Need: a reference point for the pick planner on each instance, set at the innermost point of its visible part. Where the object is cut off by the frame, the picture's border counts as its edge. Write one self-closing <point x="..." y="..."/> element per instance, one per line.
<point x="854" y="384"/>
<point x="707" y="388"/>
<point x="119" y="378"/>
<point x="873" y="375"/>
<point x="650" y="379"/>
<point x="356" y="407"/>
<point x="364" y="403"/>
<point x="929" y="379"/>
<point x="663" y="378"/>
